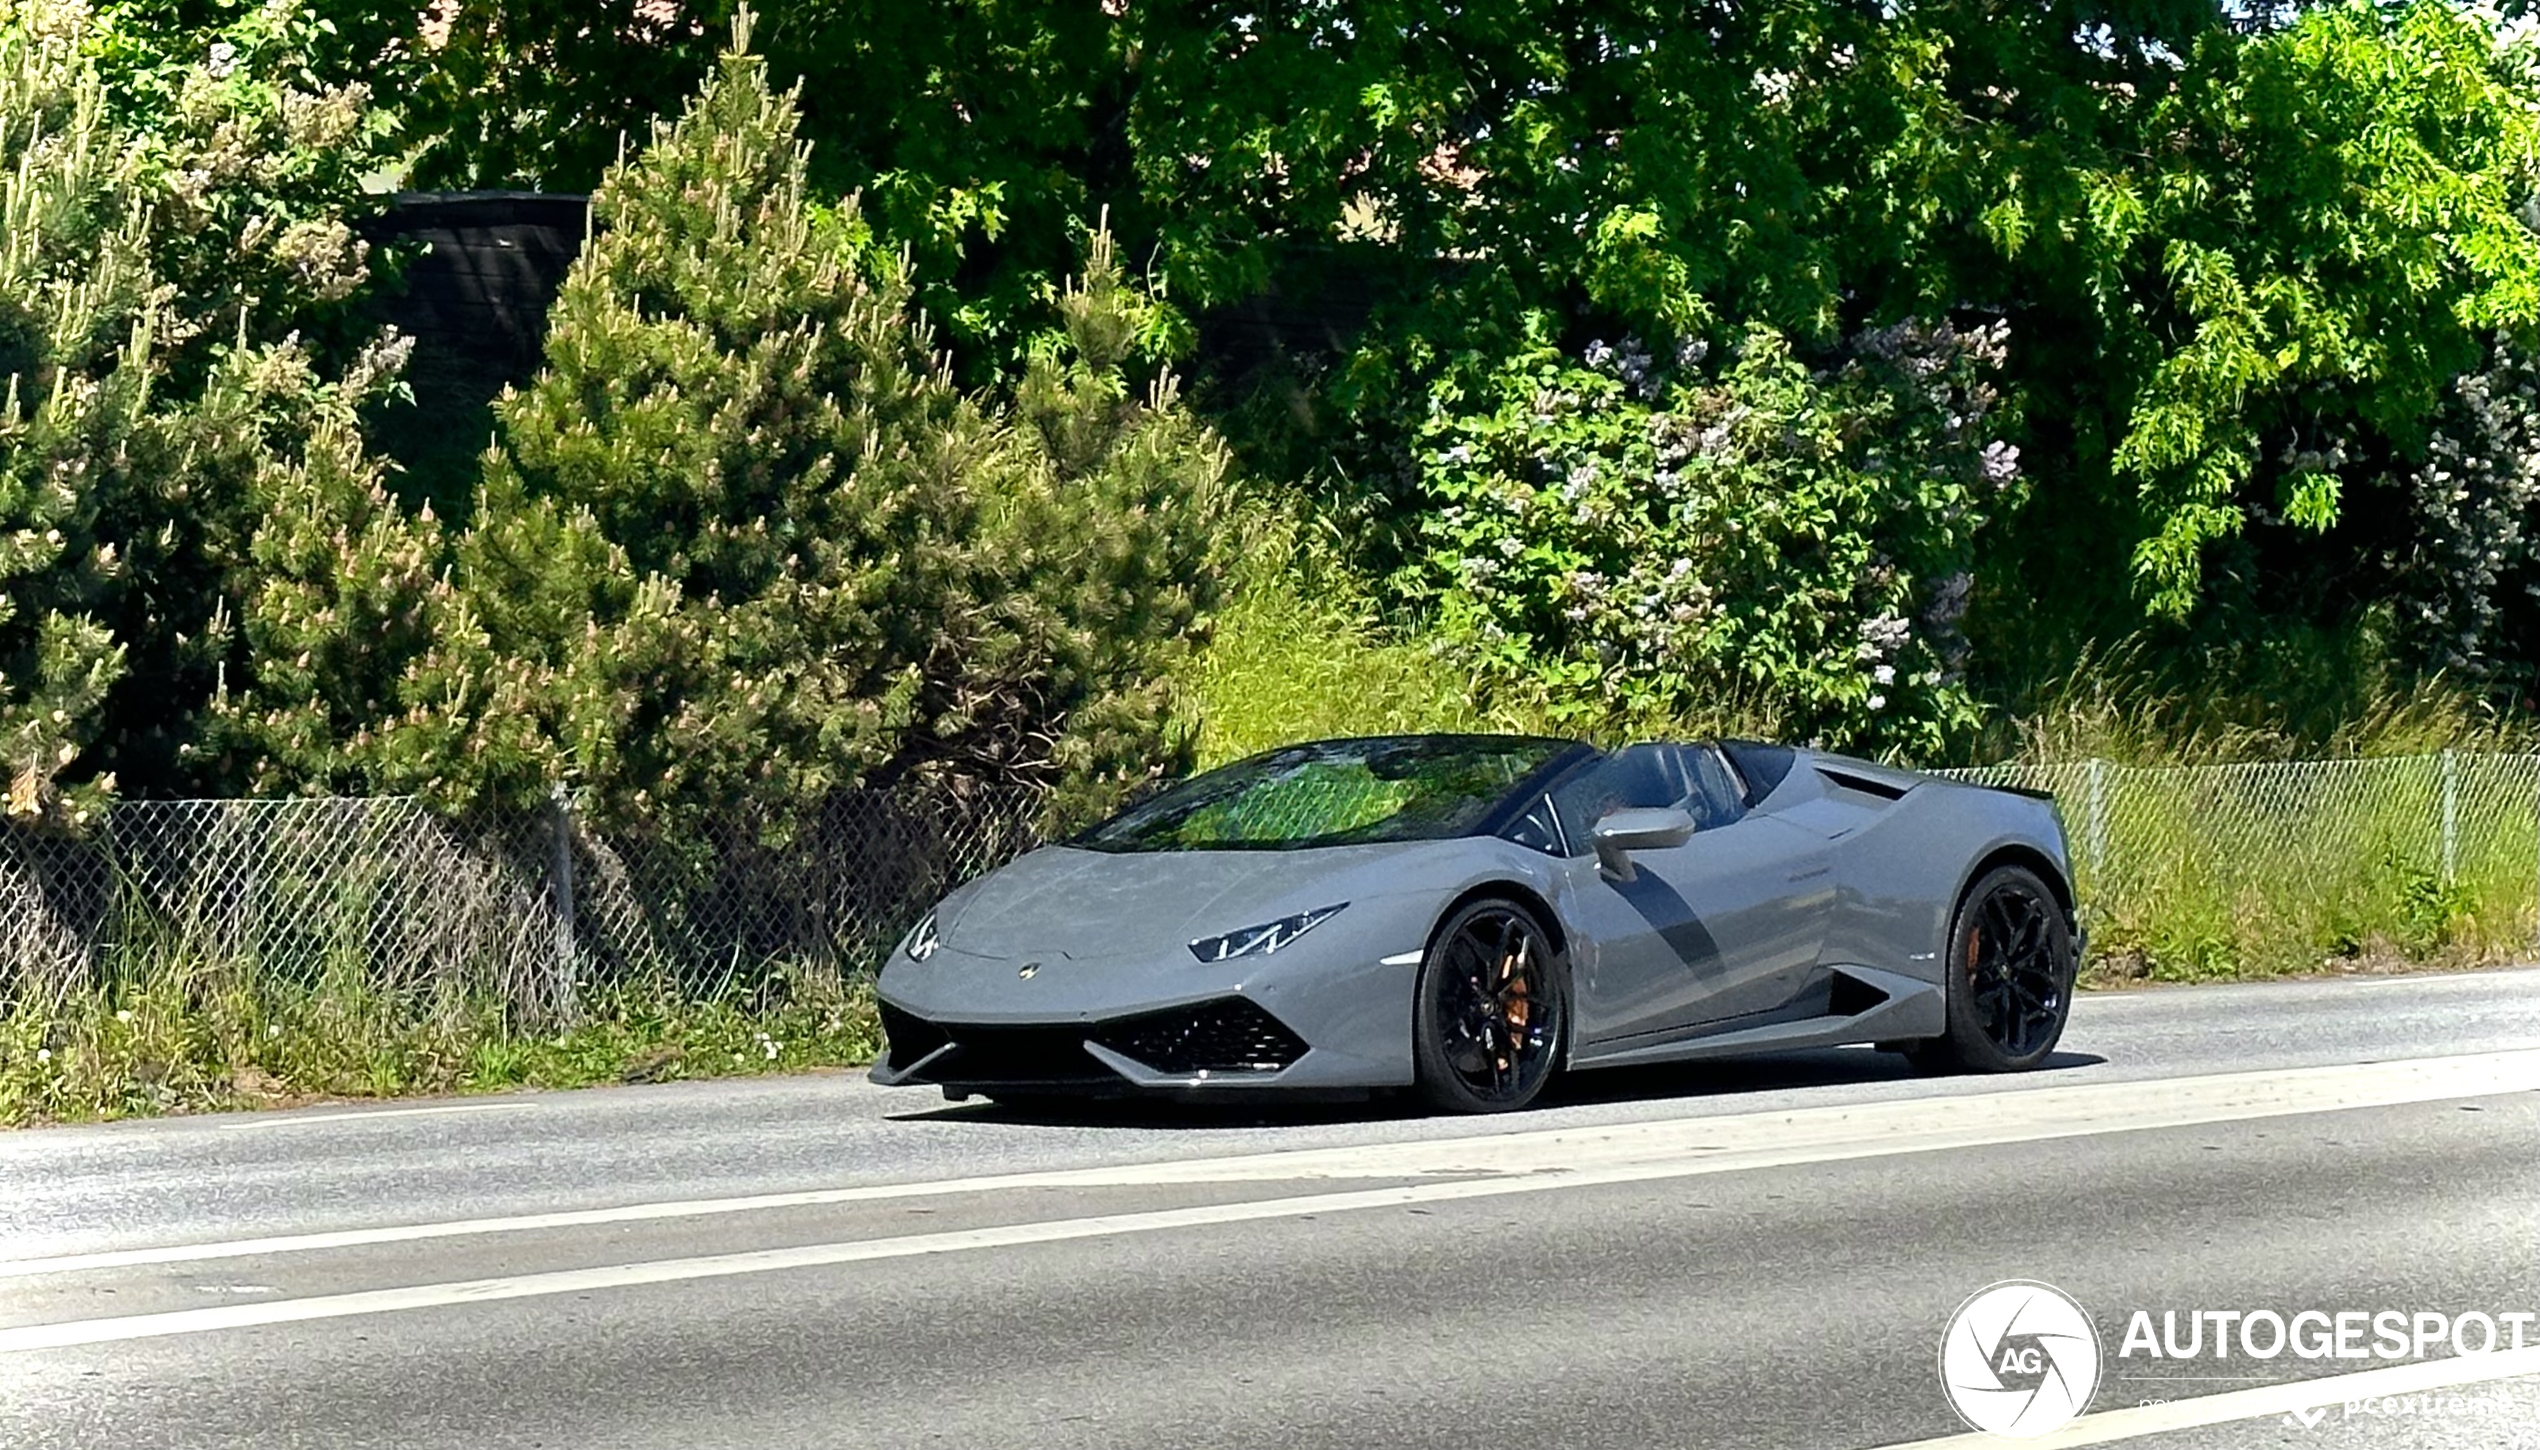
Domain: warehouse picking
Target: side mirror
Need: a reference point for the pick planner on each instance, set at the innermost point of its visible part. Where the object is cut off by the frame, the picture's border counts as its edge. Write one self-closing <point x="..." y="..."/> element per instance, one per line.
<point x="1623" y="832"/>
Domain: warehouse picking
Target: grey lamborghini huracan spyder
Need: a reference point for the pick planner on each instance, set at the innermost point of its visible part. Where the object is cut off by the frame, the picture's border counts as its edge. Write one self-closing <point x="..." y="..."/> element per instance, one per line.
<point x="1471" y="914"/>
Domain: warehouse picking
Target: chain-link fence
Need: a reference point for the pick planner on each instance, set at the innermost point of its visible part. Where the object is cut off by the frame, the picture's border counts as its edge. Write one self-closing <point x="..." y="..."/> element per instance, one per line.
<point x="535" y="909"/>
<point x="2183" y="870"/>
<point x="2194" y="870"/>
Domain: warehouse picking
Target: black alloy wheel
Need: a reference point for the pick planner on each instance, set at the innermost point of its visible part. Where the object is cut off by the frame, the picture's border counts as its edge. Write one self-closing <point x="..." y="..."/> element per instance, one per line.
<point x="1492" y="1007"/>
<point x="2010" y="979"/>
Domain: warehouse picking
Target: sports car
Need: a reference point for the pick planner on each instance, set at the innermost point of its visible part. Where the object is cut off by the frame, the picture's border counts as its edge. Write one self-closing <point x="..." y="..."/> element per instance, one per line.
<point x="1470" y="915"/>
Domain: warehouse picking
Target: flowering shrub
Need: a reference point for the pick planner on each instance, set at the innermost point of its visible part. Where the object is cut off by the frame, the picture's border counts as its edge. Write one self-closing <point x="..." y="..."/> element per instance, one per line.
<point x="1632" y="538"/>
<point x="256" y="167"/>
<point x="2463" y="575"/>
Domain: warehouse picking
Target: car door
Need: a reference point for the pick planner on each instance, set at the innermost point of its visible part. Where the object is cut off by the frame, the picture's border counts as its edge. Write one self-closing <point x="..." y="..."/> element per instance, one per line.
<point x="1726" y="925"/>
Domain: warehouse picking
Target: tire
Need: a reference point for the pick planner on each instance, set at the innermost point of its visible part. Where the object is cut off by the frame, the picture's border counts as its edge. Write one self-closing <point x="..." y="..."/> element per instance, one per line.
<point x="1490" y="1017"/>
<point x="2009" y="981"/>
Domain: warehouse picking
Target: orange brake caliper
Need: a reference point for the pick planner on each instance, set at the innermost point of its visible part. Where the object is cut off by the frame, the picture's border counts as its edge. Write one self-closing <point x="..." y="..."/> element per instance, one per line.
<point x="1516" y="1003"/>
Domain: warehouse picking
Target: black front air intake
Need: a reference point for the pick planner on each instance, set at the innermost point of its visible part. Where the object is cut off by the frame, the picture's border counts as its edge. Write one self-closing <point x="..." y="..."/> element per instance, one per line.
<point x="1020" y="1057"/>
<point x="1232" y="1034"/>
<point x="911" y="1037"/>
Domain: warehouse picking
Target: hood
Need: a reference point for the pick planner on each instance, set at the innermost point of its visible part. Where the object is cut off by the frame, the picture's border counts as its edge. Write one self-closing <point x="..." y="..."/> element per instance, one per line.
<point x="1086" y="904"/>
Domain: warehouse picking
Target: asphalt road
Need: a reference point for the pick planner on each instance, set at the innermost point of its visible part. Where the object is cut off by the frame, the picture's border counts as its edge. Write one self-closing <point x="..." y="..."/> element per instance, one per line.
<point x="1758" y="1254"/>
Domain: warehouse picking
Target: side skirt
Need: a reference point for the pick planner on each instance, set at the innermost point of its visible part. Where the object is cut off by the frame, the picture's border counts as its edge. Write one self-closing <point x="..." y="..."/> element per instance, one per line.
<point x="1882" y="1007"/>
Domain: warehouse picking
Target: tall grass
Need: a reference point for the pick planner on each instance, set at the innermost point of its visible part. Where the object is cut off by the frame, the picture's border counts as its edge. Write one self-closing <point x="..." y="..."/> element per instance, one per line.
<point x="1305" y="650"/>
<point x="2224" y="861"/>
<point x="1299" y="653"/>
<point x="2264" y="869"/>
<point x="169" y="1031"/>
<point x="2138" y="703"/>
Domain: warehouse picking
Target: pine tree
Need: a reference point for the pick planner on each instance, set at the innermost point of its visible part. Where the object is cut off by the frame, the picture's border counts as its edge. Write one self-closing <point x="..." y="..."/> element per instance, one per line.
<point x="156" y="270"/>
<point x="1101" y="566"/>
<point x="79" y="315"/>
<point x="342" y="590"/>
<point x="742" y="542"/>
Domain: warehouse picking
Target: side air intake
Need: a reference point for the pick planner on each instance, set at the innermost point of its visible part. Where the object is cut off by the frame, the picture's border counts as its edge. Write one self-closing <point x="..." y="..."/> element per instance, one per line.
<point x="1865" y="784"/>
<point x="1851" y="997"/>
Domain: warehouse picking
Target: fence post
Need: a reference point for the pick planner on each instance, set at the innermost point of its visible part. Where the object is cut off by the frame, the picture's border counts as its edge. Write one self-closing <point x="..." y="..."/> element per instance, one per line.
<point x="2094" y="835"/>
<point x="560" y="887"/>
<point x="2451" y="815"/>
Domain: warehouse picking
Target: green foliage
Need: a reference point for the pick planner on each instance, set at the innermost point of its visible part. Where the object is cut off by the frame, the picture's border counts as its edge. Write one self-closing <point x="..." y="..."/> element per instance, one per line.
<point x="2242" y="237"/>
<point x="340" y="589"/>
<point x="532" y="93"/>
<point x="978" y="136"/>
<point x="2460" y="562"/>
<point x="746" y="539"/>
<point x="2246" y="253"/>
<point x="2243" y="258"/>
<point x="2325" y="230"/>
<point x="2432" y="911"/>
<point x="1639" y="543"/>
<point x="744" y="542"/>
<point x="258" y="165"/>
<point x="1648" y="161"/>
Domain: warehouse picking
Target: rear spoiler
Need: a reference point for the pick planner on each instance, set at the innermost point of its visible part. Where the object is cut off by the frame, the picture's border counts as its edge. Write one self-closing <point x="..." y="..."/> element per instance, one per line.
<point x="2031" y="792"/>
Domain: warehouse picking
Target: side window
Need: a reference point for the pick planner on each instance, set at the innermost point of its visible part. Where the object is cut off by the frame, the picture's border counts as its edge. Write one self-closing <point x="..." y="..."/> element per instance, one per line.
<point x="1536" y="829"/>
<point x="1633" y="778"/>
<point x="1718" y="799"/>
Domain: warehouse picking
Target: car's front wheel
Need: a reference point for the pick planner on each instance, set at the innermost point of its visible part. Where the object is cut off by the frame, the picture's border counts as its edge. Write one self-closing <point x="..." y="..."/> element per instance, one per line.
<point x="2010" y="975"/>
<point x="1492" y="1005"/>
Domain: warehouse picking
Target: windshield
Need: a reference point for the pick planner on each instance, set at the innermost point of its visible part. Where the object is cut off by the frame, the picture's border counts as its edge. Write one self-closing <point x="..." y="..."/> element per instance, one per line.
<point x="1332" y="793"/>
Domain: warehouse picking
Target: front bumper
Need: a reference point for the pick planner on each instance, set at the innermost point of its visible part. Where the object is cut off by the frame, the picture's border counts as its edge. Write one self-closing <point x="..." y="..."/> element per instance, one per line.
<point x="1332" y="1012"/>
<point x="1224" y="1042"/>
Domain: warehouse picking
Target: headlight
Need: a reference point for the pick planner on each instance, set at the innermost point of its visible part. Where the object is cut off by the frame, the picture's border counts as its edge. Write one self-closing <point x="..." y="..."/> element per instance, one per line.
<point x="921" y="942"/>
<point x="1264" y="939"/>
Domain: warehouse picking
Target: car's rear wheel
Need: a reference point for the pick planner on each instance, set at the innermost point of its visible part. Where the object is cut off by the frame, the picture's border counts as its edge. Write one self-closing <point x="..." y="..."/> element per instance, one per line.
<point x="2010" y="977"/>
<point x="1492" y="1006"/>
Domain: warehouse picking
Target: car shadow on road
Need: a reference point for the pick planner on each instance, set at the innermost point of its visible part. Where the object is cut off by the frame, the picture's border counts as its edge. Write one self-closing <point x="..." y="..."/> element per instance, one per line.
<point x="1726" y="1078"/>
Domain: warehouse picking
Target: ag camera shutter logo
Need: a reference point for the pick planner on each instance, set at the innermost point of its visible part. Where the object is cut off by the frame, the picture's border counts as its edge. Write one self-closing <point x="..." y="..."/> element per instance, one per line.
<point x="2019" y="1359"/>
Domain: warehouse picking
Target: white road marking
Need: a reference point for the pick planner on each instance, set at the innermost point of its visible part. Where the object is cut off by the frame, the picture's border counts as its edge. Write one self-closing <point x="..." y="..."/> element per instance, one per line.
<point x="296" y="1119"/>
<point x="1687" y="1146"/>
<point x="2284" y="1399"/>
<point x="1499" y="1165"/>
<point x="715" y="1266"/>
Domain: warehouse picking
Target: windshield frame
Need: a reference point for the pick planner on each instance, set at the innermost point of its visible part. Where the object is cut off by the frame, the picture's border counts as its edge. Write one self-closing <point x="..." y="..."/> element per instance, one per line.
<point x="1558" y="758"/>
